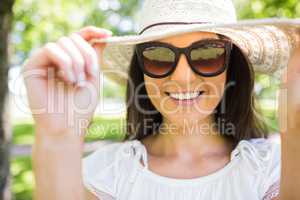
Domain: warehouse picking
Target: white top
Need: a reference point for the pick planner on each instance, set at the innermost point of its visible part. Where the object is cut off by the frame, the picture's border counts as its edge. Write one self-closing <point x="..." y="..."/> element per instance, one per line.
<point x="114" y="171"/>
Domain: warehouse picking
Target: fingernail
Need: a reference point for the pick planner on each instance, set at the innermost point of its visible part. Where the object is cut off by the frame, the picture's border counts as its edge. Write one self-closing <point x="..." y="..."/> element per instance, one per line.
<point x="71" y="76"/>
<point x="81" y="77"/>
<point x="95" y="65"/>
<point x="95" y="69"/>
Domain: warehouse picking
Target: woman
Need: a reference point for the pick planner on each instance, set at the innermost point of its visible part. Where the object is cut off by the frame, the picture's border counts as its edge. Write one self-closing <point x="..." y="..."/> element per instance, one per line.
<point x="203" y="139"/>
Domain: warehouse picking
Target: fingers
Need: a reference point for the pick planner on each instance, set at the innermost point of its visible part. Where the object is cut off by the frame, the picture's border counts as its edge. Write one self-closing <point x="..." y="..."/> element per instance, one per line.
<point x="61" y="60"/>
<point x="91" y="32"/>
<point x="81" y="38"/>
<point x="73" y="57"/>
<point x="78" y="61"/>
<point x="88" y="53"/>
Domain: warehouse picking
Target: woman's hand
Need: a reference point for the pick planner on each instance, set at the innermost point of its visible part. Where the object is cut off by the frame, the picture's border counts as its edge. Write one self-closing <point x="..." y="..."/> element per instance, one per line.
<point x="289" y="97"/>
<point x="62" y="81"/>
<point x="289" y="122"/>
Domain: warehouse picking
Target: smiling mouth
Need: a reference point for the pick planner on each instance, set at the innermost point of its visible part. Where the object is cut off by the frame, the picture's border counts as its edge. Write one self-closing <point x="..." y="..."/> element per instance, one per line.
<point x="184" y="96"/>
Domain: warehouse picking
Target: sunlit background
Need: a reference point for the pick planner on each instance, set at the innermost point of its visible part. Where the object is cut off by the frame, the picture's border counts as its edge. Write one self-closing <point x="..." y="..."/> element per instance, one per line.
<point x="37" y="22"/>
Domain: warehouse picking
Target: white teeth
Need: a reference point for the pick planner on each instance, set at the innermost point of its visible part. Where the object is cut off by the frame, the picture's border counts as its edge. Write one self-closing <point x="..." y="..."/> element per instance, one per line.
<point x="183" y="96"/>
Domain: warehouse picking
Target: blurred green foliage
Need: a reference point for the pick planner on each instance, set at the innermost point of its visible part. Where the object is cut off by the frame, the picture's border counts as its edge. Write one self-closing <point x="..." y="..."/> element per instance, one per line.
<point x="38" y="22"/>
<point x="248" y="9"/>
<point x="100" y="128"/>
<point x="22" y="185"/>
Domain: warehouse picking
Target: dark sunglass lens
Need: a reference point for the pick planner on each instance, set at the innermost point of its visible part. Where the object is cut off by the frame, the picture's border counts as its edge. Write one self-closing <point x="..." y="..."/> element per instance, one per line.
<point x="208" y="59"/>
<point x="158" y="60"/>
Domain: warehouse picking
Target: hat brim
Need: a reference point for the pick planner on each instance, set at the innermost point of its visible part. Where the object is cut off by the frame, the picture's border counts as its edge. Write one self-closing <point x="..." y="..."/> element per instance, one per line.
<point x="267" y="43"/>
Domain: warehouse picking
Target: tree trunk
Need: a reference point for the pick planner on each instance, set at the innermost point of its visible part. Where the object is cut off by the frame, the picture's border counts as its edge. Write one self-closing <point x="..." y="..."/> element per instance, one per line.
<point x="5" y="26"/>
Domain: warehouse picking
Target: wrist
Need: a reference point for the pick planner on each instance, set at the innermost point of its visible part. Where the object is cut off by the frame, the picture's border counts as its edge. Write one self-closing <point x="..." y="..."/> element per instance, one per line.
<point x="60" y="131"/>
<point x="57" y="137"/>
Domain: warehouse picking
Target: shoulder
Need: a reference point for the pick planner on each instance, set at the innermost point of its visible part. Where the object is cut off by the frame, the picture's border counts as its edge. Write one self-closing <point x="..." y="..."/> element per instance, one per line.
<point x="107" y="154"/>
<point x="102" y="168"/>
<point x="262" y="158"/>
<point x="106" y="151"/>
<point x="260" y="149"/>
<point x="261" y="152"/>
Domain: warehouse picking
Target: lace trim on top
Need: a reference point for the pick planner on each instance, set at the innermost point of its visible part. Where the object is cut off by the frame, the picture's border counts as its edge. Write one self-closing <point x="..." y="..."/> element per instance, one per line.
<point x="244" y="149"/>
<point x="273" y="191"/>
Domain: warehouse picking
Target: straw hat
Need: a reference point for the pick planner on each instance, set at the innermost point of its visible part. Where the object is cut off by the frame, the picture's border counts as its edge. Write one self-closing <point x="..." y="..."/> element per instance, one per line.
<point x="267" y="42"/>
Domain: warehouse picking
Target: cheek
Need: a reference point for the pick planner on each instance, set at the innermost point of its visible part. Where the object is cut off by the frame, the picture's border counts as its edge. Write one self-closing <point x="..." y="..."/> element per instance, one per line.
<point x="216" y="88"/>
<point x="213" y="95"/>
<point x="154" y="91"/>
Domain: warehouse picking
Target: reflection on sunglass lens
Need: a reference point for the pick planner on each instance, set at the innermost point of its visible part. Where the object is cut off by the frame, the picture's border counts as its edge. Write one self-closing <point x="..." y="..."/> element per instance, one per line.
<point x="208" y="59"/>
<point x="158" y="60"/>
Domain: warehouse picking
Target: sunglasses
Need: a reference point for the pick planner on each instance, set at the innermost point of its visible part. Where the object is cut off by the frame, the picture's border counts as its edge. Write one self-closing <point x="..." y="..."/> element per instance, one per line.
<point x="207" y="58"/>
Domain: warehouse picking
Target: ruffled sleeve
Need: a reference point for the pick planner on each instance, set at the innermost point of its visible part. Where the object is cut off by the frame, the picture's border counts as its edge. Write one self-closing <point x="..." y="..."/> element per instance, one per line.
<point x="270" y="185"/>
<point x="100" y="171"/>
<point x="267" y="158"/>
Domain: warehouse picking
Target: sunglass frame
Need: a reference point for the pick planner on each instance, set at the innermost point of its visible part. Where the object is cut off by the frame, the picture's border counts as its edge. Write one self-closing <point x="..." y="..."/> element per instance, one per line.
<point x="139" y="48"/>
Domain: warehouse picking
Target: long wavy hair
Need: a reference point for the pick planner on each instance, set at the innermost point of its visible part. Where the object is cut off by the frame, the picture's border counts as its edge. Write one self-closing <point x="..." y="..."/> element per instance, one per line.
<point x="239" y="100"/>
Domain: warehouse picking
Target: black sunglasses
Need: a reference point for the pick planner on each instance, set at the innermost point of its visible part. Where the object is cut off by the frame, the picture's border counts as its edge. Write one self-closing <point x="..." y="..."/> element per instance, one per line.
<point x="207" y="58"/>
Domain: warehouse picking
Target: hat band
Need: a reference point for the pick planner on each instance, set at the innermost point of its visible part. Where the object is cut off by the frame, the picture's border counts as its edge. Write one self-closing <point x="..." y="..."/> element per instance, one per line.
<point x="168" y="23"/>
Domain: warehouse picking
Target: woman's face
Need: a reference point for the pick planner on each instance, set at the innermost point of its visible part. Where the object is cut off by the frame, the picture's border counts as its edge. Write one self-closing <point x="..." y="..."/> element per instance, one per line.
<point x="184" y="79"/>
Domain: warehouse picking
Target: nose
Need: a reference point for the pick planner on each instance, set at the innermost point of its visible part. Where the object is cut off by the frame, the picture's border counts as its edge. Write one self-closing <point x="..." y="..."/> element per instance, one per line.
<point x="183" y="72"/>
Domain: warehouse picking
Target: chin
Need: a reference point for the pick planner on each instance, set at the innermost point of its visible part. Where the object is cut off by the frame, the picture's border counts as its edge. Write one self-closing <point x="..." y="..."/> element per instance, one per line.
<point x="187" y="118"/>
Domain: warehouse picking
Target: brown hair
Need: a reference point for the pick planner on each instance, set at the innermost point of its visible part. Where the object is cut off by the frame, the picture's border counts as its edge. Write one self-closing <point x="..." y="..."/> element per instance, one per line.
<point x="239" y="101"/>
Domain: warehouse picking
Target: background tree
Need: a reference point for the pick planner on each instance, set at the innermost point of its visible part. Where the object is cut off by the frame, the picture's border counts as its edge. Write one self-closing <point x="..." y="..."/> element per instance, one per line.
<point x="5" y="26"/>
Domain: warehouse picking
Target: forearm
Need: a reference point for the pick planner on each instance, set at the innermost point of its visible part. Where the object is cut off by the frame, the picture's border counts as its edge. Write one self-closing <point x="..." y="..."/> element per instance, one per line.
<point x="57" y="166"/>
<point x="290" y="171"/>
